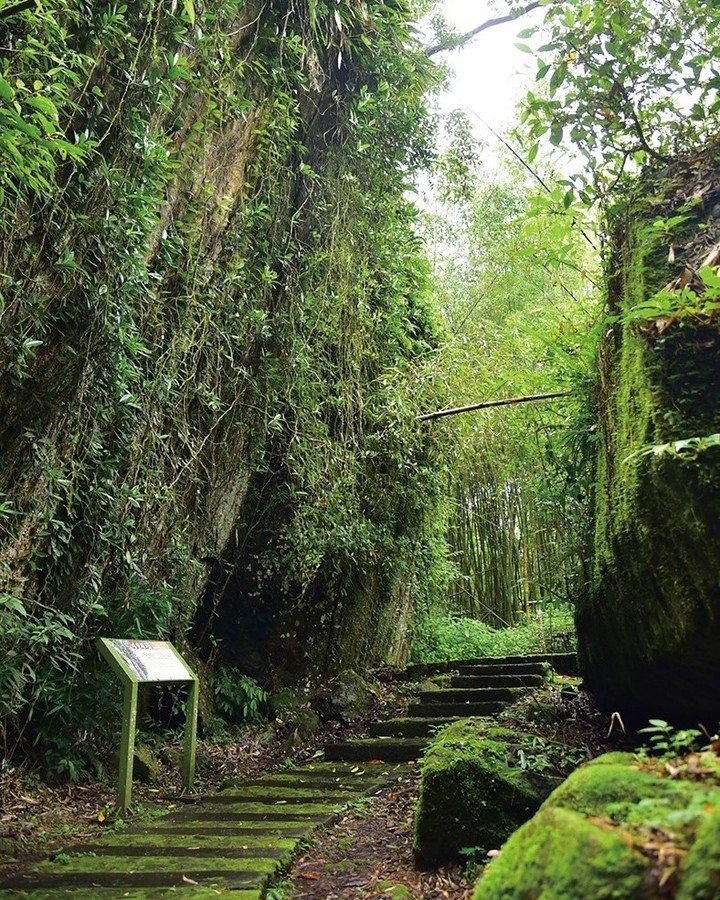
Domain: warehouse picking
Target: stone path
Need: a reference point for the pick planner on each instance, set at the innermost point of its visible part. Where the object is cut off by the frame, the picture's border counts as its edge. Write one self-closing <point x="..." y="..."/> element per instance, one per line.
<point x="472" y="687"/>
<point x="229" y="843"/>
<point x="236" y="841"/>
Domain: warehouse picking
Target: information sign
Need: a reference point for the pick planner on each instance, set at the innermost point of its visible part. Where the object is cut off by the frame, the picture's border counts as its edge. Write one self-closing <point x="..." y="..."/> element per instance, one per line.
<point x="153" y="660"/>
<point x="139" y="662"/>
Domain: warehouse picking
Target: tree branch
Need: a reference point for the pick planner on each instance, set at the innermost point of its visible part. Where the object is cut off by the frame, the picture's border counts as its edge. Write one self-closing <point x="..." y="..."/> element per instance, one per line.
<point x="440" y="413"/>
<point x="460" y="41"/>
<point x="16" y="8"/>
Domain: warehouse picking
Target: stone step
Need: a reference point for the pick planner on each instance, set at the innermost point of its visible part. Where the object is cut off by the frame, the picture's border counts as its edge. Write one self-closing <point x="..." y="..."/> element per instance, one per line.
<point x="489" y="681"/>
<point x="231" y="842"/>
<point x="563" y="663"/>
<point x="450" y="710"/>
<point x="470" y="668"/>
<point x="408" y="727"/>
<point x="381" y="749"/>
<point x="471" y="695"/>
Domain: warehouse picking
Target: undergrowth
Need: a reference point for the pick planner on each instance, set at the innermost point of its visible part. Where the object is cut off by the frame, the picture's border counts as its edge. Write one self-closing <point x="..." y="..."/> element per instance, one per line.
<point x="446" y="636"/>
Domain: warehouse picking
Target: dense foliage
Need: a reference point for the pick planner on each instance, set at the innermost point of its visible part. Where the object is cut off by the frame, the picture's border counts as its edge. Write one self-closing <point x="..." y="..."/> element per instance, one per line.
<point x="627" y="84"/>
<point x="211" y="304"/>
<point x="519" y="476"/>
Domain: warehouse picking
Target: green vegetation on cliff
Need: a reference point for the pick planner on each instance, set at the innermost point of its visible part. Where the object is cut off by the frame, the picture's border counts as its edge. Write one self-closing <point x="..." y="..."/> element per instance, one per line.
<point x="211" y="304"/>
<point x="648" y="627"/>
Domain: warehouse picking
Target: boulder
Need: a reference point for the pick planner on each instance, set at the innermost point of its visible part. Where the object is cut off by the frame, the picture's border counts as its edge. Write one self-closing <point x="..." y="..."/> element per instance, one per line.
<point x="345" y="697"/>
<point x="474" y="791"/>
<point x="620" y="827"/>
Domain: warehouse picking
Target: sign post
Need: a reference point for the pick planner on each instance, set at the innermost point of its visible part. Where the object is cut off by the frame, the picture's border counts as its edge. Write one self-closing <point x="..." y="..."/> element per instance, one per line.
<point x="138" y="662"/>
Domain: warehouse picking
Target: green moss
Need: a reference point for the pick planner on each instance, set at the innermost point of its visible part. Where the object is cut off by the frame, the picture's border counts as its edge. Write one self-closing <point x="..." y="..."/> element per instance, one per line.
<point x="626" y="793"/>
<point x="595" y="836"/>
<point x="646" y="628"/>
<point x="473" y="793"/>
<point x="700" y="872"/>
<point x="559" y="855"/>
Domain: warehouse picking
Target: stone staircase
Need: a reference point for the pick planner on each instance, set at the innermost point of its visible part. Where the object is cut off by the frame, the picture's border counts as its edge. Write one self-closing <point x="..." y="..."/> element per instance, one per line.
<point x="237" y="841"/>
<point x="231" y="842"/>
<point x="473" y="687"/>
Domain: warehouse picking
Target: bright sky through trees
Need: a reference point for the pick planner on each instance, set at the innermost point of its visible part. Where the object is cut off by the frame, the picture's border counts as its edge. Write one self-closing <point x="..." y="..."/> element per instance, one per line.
<point x="491" y="73"/>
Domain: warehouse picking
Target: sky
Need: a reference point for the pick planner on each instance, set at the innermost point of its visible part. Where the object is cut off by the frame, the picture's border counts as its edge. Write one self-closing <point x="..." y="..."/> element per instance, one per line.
<point x="491" y="73"/>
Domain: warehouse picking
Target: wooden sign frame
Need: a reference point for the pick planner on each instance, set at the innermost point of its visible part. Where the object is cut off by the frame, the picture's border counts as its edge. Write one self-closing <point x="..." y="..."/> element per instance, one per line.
<point x="138" y="662"/>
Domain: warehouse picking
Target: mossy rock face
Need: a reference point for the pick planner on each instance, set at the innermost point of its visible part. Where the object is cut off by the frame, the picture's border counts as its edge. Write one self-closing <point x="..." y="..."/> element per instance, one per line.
<point x="560" y="855"/>
<point x="472" y="792"/>
<point x="648" y="641"/>
<point x="617" y="828"/>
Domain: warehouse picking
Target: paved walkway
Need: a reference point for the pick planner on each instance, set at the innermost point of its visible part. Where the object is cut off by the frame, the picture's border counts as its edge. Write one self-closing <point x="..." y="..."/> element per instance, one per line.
<point x="233" y="842"/>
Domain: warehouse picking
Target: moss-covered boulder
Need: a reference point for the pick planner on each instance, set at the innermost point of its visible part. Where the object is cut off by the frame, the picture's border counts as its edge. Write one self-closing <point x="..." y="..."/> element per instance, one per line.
<point x="474" y="791"/>
<point x="619" y="827"/>
<point x="560" y="855"/>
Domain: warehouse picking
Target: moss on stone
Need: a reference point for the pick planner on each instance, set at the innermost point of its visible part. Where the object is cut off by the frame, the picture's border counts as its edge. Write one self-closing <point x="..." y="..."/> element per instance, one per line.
<point x="622" y="791"/>
<point x="700" y="873"/>
<point x="616" y="828"/>
<point x="648" y="640"/>
<point x="472" y="791"/>
<point x="559" y="855"/>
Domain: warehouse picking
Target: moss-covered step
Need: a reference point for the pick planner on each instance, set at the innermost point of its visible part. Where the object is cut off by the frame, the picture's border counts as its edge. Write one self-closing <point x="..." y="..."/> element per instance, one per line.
<point x="497" y="681"/>
<point x="618" y="827"/>
<point x="108" y="893"/>
<point x="472" y="792"/>
<point x="385" y="749"/>
<point x="454" y="710"/>
<point x="410" y="727"/>
<point x="535" y="668"/>
<point x="472" y="695"/>
<point x="562" y="663"/>
<point x="231" y="842"/>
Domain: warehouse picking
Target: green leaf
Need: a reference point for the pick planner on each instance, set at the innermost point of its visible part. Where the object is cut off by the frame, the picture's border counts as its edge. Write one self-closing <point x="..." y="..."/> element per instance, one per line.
<point x="7" y="91"/>
<point x="10" y="602"/>
<point x="189" y="7"/>
<point x="44" y="105"/>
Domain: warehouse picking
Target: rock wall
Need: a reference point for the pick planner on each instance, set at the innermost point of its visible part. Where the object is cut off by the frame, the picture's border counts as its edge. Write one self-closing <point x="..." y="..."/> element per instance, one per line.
<point x="212" y="304"/>
<point x="648" y="630"/>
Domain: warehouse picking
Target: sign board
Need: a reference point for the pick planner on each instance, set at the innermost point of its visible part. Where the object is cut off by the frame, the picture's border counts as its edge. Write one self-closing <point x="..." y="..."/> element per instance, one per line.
<point x="152" y="660"/>
<point x="138" y="662"/>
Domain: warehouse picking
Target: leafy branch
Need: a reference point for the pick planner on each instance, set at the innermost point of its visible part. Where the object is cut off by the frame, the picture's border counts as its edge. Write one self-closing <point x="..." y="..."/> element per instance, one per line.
<point x="455" y="41"/>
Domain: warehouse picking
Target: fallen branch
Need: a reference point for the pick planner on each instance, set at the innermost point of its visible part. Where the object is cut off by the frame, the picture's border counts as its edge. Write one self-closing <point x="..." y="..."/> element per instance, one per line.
<point x="530" y="398"/>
